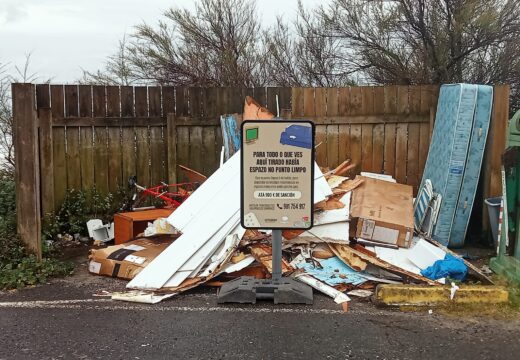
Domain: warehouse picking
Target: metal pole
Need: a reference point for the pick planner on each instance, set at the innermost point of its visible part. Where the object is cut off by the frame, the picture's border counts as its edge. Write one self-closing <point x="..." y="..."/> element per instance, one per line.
<point x="277" y="255"/>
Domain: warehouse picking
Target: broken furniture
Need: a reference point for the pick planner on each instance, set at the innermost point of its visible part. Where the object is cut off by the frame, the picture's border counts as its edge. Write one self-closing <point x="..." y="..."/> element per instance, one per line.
<point x="128" y="225"/>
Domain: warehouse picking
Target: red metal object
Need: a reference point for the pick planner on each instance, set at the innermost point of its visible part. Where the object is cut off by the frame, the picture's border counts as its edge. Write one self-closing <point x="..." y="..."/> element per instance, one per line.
<point x="172" y="194"/>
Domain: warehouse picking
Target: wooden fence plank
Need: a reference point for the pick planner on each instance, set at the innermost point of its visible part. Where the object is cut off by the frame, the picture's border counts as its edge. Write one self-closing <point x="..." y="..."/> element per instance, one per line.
<point x="297" y="102"/>
<point x="367" y="107"/>
<point x="101" y="160"/>
<point x="142" y="136"/>
<point x="43" y="96"/>
<point x="196" y="162"/>
<point x="171" y="144"/>
<point x="210" y="154"/>
<point x="59" y="163"/>
<point x="141" y="101"/>
<point x="98" y="101"/>
<point x="344" y="152"/>
<point x="390" y="103"/>
<point x="154" y="101"/>
<point x="57" y="101"/>
<point x="128" y="153"/>
<point x="168" y="100"/>
<point x="85" y="100"/>
<point x="113" y="101"/>
<point x="87" y="157"/>
<point x="73" y="159"/>
<point x="183" y="149"/>
<point x="127" y="101"/>
<point x="320" y="109"/>
<point x="355" y="108"/>
<point x="115" y="161"/>
<point x="71" y="100"/>
<point x="27" y="177"/>
<point x="46" y="163"/>
<point x="378" y="131"/>
<point x="157" y="155"/>
<point x="401" y="149"/>
<point x="333" y="159"/>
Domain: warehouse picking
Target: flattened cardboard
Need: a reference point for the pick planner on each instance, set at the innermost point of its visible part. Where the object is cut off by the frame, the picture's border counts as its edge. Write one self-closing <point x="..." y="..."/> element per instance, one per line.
<point x="126" y="260"/>
<point x="383" y="211"/>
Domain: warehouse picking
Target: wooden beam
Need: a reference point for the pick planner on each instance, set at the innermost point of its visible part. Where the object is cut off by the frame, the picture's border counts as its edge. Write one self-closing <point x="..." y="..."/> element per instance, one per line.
<point x="171" y="145"/>
<point x="367" y="119"/>
<point x="46" y="160"/>
<point x="27" y="172"/>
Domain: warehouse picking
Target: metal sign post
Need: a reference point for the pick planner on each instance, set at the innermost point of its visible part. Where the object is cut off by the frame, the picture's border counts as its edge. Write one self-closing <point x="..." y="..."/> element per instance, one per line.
<point x="277" y="180"/>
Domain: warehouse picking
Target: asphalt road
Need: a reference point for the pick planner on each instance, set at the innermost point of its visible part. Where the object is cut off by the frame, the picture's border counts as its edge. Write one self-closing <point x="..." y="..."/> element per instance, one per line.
<point x="63" y="320"/>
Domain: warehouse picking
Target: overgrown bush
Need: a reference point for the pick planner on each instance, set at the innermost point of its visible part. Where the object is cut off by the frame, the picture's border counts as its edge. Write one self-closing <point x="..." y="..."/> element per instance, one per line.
<point x="17" y="268"/>
<point x="78" y="207"/>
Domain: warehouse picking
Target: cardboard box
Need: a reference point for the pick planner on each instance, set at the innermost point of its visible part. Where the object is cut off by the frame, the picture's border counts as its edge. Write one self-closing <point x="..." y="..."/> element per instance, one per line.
<point x="125" y="261"/>
<point x="383" y="211"/>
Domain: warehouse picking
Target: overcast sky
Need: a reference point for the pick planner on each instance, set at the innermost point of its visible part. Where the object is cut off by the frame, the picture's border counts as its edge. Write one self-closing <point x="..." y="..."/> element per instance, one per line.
<point x="64" y="36"/>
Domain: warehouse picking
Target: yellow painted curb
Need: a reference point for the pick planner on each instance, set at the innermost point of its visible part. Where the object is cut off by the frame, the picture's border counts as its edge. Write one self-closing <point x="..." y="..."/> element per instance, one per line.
<point x="399" y="295"/>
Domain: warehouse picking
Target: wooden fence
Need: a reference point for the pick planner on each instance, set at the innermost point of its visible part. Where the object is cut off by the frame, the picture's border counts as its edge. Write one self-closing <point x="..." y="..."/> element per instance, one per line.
<point x="81" y="136"/>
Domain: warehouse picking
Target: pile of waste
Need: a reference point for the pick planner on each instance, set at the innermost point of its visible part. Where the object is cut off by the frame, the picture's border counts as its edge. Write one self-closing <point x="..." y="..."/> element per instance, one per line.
<point x="364" y="234"/>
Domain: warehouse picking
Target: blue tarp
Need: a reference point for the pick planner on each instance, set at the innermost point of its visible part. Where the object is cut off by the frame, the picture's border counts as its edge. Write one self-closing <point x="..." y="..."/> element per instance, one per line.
<point x="450" y="266"/>
<point x="334" y="272"/>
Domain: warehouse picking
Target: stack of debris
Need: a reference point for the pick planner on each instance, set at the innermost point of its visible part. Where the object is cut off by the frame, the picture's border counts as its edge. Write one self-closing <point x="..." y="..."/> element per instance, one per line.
<point x="363" y="235"/>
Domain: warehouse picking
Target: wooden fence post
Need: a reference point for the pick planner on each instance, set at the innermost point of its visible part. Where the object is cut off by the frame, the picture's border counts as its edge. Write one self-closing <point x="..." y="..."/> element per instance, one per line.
<point x="27" y="169"/>
<point x="171" y="144"/>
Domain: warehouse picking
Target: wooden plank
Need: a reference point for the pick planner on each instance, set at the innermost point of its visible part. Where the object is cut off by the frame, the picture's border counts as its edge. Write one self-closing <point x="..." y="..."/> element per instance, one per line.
<point x="142" y="137"/>
<point x="98" y="101"/>
<point x="85" y="100"/>
<point x="210" y="154"/>
<point x="412" y="167"/>
<point x="297" y="102"/>
<point x="367" y="107"/>
<point x="127" y="101"/>
<point x="259" y="94"/>
<point x="57" y="101"/>
<point x="154" y="101"/>
<point x="222" y="100"/>
<point x="168" y="100"/>
<point x="128" y="153"/>
<point x="355" y="108"/>
<point x="87" y="157"/>
<point x="43" y="96"/>
<point x="389" y="150"/>
<point x="141" y="101"/>
<point x="196" y="149"/>
<point x="333" y="159"/>
<point x="27" y="170"/>
<point x="157" y="156"/>
<point x="318" y="106"/>
<point x="181" y="101"/>
<point x="390" y="99"/>
<point x="127" y="121"/>
<point x="101" y="160"/>
<point x="378" y="131"/>
<point x="115" y="161"/>
<point x="401" y="150"/>
<point x="59" y="162"/>
<point x="378" y="148"/>
<point x="46" y="164"/>
<point x="113" y="101"/>
<point x="209" y="103"/>
<point x="344" y="152"/>
<point x="424" y="145"/>
<point x="71" y="100"/>
<point x="309" y="108"/>
<point x="183" y="149"/>
<point x="195" y="101"/>
<point x="171" y="143"/>
<point x="73" y="164"/>
<point x="495" y="146"/>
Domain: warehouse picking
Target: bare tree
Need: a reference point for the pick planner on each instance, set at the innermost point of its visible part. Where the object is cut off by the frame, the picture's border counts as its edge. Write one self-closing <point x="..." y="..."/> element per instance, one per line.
<point x="298" y="56"/>
<point x="216" y="45"/>
<point x="420" y="41"/>
<point x="22" y="74"/>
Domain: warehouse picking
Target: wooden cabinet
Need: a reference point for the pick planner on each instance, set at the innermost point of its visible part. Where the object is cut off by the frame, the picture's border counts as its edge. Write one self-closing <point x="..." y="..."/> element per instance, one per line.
<point x="129" y="225"/>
